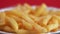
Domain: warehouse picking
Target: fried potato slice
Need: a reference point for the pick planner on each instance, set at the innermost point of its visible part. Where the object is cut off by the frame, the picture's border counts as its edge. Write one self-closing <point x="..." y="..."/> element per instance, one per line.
<point x="22" y="31"/>
<point x="8" y="29"/>
<point x="13" y="23"/>
<point x="40" y="10"/>
<point x="27" y="25"/>
<point x="2" y="18"/>
<point x="34" y="18"/>
<point x="54" y="25"/>
<point x="46" y="19"/>
<point x="40" y="28"/>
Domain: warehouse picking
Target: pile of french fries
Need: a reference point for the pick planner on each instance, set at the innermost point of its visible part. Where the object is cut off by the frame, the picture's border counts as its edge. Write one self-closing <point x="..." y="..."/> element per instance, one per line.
<point x="23" y="19"/>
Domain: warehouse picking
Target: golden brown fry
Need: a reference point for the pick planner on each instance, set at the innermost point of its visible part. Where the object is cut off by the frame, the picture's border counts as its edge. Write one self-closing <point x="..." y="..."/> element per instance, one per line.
<point x="40" y="28"/>
<point x="40" y="10"/>
<point x="54" y="30"/>
<point x="13" y="23"/>
<point x="45" y="12"/>
<point x="40" y="20"/>
<point x="8" y="29"/>
<point x="26" y="8"/>
<point x="19" y="7"/>
<point x="22" y="31"/>
<point x="46" y="19"/>
<point x="27" y="25"/>
<point x="2" y="18"/>
<point x="16" y="18"/>
<point x="54" y="25"/>
<point x="34" y="18"/>
<point x="27" y="5"/>
<point x="15" y="12"/>
<point x="57" y="17"/>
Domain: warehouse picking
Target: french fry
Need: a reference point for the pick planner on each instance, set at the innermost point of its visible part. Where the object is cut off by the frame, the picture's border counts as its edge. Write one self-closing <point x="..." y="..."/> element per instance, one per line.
<point x="57" y="17"/>
<point x="54" y="30"/>
<point x="16" y="18"/>
<point x="2" y="18"/>
<point x="53" y="26"/>
<point x="45" y="13"/>
<point x="40" y="10"/>
<point x="19" y="20"/>
<point x="27" y="8"/>
<point x="13" y="23"/>
<point x="34" y="18"/>
<point x="8" y="29"/>
<point x="27" y="5"/>
<point x="22" y="31"/>
<point x="18" y="7"/>
<point x="40" y="20"/>
<point x="15" y="12"/>
<point x="40" y="28"/>
<point x="27" y="25"/>
<point x="46" y="19"/>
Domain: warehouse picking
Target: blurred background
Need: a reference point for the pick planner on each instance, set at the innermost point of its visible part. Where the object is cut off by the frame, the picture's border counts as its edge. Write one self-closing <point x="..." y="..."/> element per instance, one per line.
<point x="7" y="3"/>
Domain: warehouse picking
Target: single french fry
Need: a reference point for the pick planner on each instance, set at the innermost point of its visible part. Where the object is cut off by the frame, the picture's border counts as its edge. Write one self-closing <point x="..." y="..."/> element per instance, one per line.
<point x="8" y="29"/>
<point x="42" y="33"/>
<point x="34" y="18"/>
<point x="15" y="12"/>
<point x="16" y="18"/>
<point x="13" y="23"/>
<point x="18" y="7"/>
<point x="53" y="26"/>
<point x="22" y="31"/>
<point x="27" y="25"/>
<point x="46" y="20"/>
<point x="27" y="5"/>
<point x="40" y="10"/>
<point x="40" y="20"/>
<point x="57" y="17"/>
<point x="45" y="12"/>
<point x="40" y="28"/>
<point x="54" y="30"/>
<point x="2" y="18"/>
<point x="26" y="8"/>
<point x="19" y="20"/>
